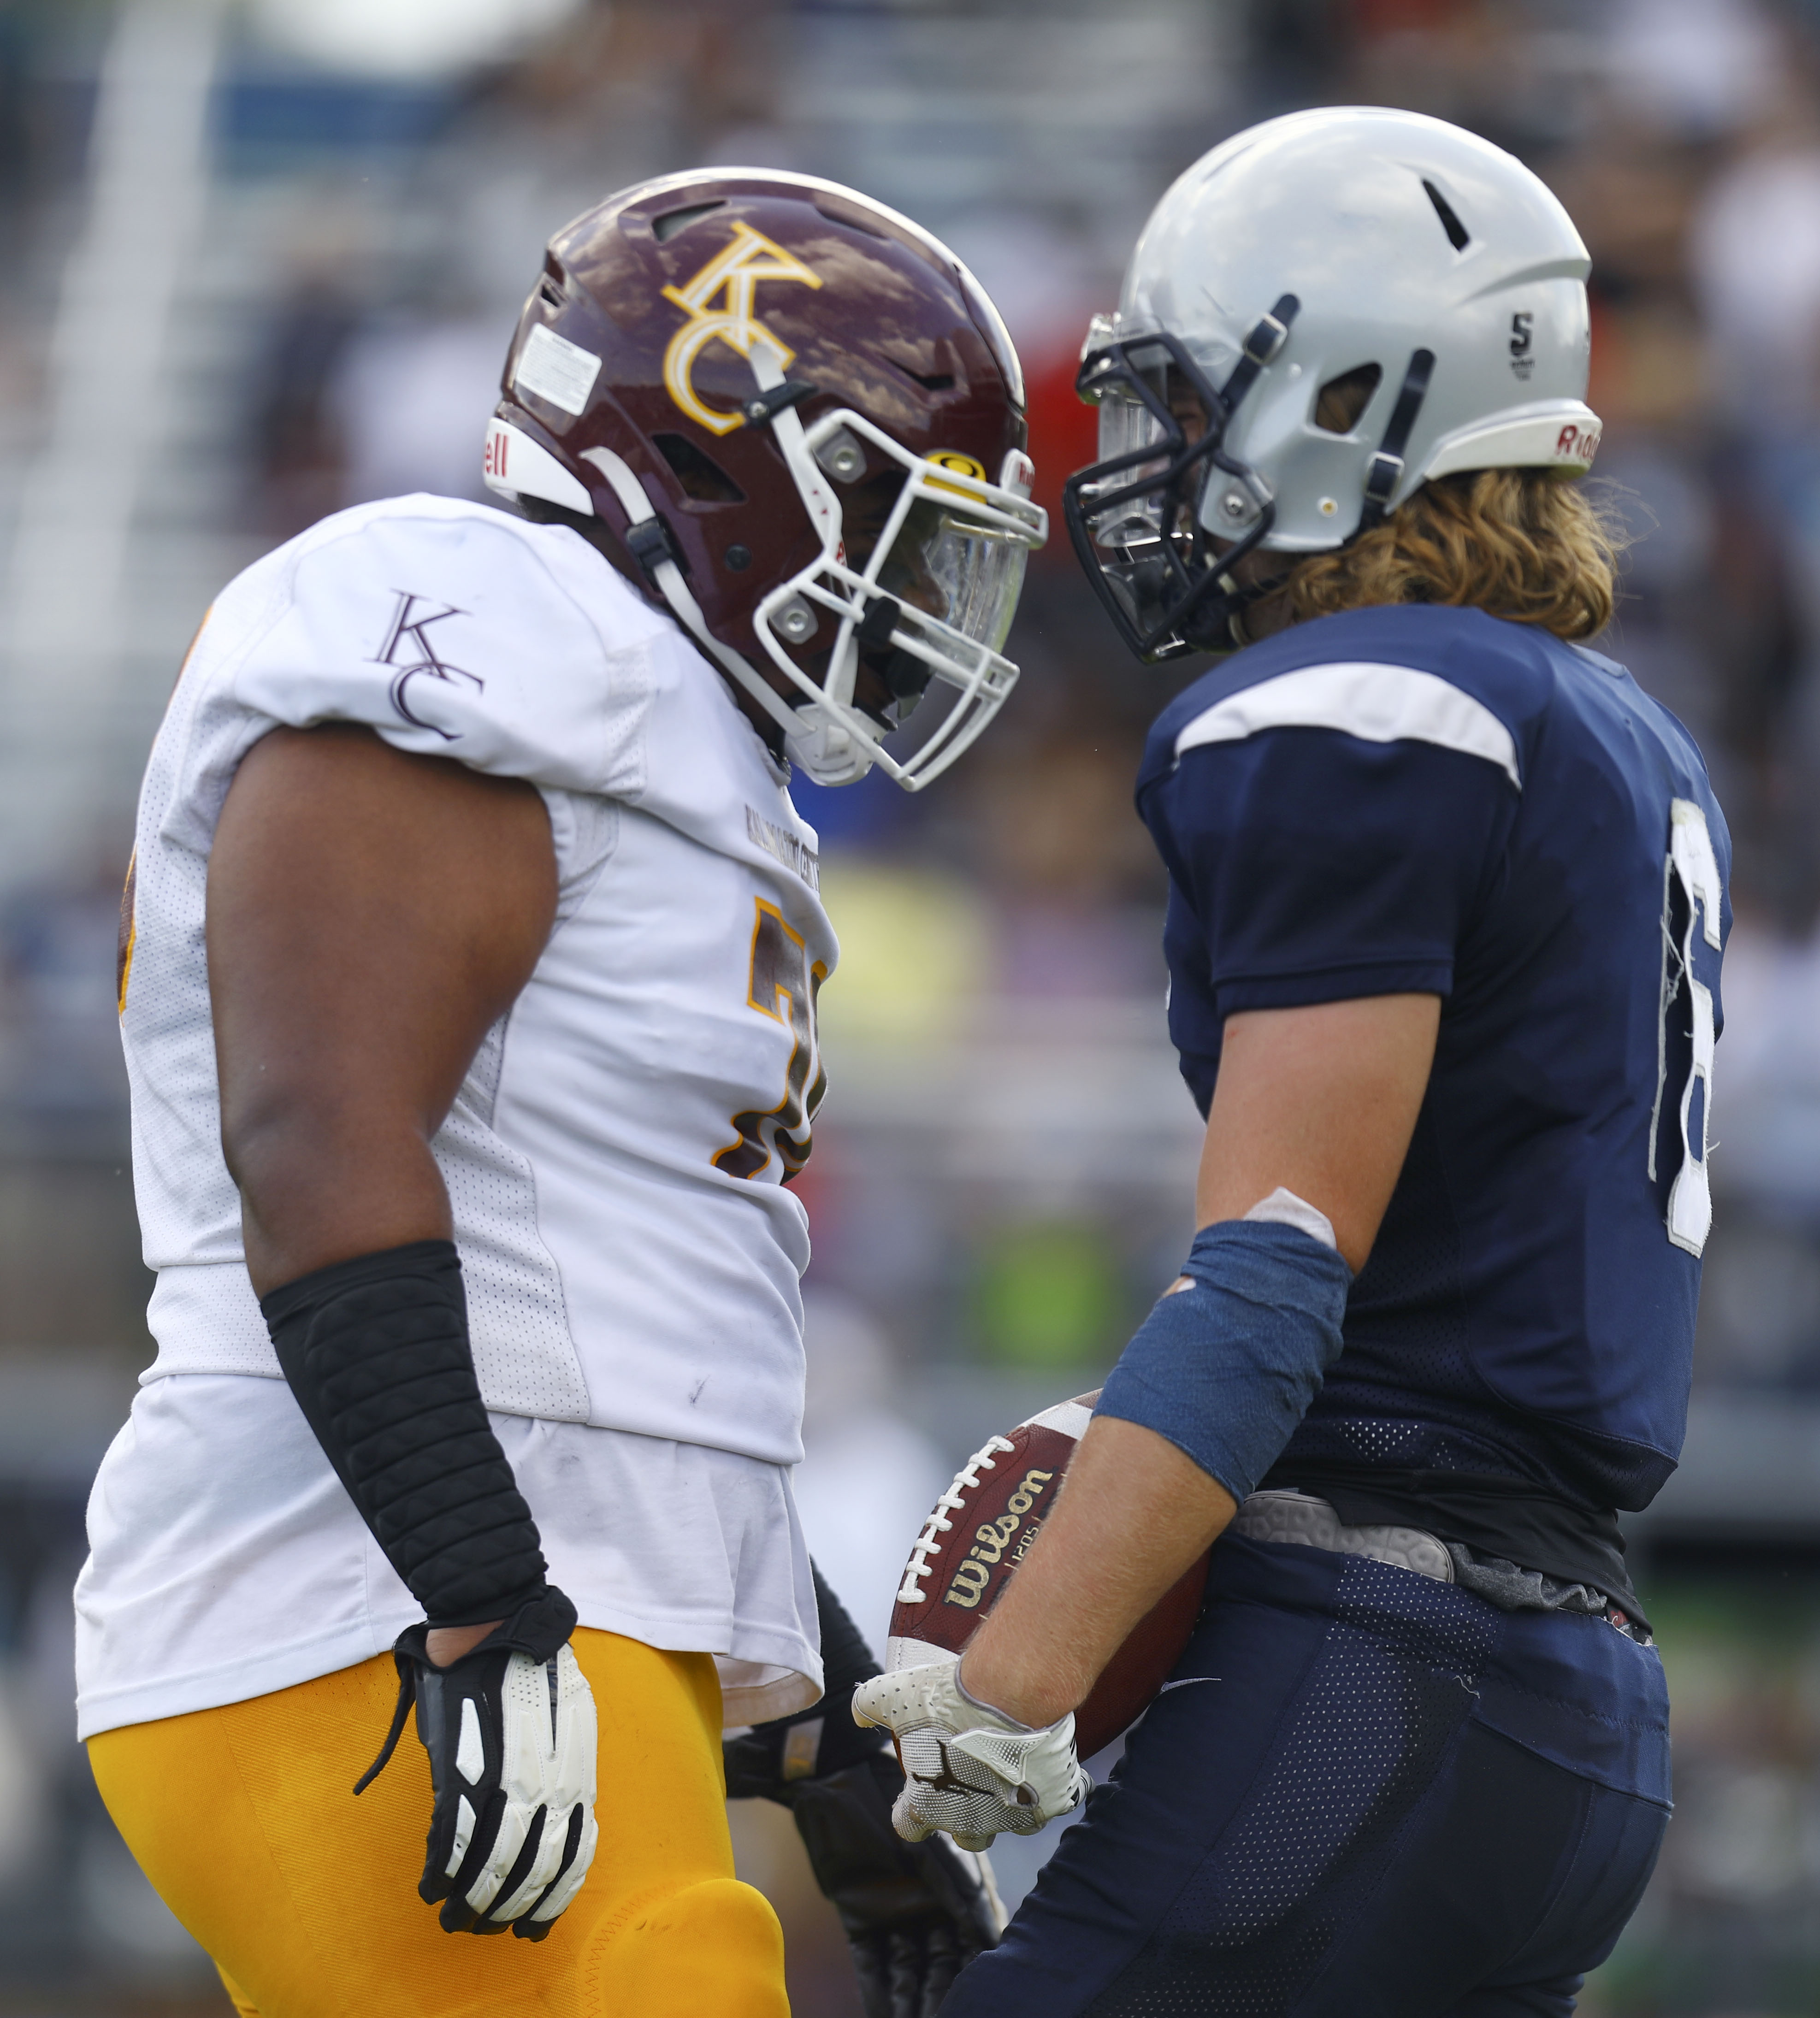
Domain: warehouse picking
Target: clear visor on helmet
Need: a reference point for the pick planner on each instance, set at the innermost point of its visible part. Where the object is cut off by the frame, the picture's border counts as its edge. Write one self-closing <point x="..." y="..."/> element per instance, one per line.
<point x="1127" y="426"/>
<point x="961" y="572"/>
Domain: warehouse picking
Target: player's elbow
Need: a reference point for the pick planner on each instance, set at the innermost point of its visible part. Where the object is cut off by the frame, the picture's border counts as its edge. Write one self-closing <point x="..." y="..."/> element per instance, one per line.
<point x="321" y="1180"/>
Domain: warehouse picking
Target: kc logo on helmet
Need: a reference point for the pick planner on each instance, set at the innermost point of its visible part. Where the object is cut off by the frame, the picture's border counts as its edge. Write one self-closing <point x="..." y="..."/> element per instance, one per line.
<point x="734" y="274"/>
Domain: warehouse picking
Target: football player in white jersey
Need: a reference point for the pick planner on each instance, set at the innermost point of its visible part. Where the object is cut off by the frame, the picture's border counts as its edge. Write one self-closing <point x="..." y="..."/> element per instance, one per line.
<point x="469" y="961"/>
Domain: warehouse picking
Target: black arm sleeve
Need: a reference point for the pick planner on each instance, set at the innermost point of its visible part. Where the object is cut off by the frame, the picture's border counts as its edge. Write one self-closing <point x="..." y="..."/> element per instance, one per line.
<point x="376" y="1351"/>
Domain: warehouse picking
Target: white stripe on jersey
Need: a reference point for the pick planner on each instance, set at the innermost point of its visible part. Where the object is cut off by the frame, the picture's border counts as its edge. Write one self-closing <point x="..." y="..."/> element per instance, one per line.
<point x="1376" y="702"/>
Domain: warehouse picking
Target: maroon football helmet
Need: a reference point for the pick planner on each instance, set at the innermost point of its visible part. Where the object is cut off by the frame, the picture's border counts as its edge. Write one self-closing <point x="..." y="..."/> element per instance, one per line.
<point x="803" y="420"/>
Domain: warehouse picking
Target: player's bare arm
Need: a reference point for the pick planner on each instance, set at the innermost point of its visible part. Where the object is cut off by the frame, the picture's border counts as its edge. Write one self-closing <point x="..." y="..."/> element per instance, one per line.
<point x="1323" y="1101"/>
<point x="372" y="914"/>
<point x="1320" y="1101"/>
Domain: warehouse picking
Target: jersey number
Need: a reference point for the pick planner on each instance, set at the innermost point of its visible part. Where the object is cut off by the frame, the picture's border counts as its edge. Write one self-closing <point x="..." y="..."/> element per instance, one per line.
<point x="783" y="986"/>
<point x="1690" y="904"/>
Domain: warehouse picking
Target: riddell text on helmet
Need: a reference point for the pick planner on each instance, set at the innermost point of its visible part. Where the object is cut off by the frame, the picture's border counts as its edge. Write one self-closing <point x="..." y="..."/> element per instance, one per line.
<point x="1576" y="444"/>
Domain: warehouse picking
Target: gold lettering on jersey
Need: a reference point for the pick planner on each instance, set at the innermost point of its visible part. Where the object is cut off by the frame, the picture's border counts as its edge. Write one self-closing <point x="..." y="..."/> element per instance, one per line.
<point x="734" y="274"/>
<point x="990" y="1539"/>
<point x="783" y="985"/>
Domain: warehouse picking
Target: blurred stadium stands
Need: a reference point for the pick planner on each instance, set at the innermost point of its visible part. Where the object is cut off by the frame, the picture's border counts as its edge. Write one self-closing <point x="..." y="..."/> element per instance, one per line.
<point x="260" y="261"/>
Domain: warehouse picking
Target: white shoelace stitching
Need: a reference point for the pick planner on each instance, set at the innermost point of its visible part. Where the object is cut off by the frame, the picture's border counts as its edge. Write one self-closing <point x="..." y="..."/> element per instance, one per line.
<point x="925" y="1545"/>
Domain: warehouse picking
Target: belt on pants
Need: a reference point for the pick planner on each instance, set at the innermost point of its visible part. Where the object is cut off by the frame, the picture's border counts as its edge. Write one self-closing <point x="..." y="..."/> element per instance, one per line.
<point x="1283" y="1516"/>
<point x="1299" y="1517"/>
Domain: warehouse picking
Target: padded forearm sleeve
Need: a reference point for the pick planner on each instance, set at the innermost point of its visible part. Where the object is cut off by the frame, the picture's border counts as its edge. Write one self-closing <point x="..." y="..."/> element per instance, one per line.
<point x="1226" y="1368"/>
<point x="376" y="1351"/>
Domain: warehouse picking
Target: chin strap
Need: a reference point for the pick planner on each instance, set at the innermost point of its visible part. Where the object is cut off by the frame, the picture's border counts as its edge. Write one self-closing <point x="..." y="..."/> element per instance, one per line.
<point x="645" y="538"/>
<point x="1386" y="469"/>
<point x="649" y="542"/>
<point x="1268" y="336"/>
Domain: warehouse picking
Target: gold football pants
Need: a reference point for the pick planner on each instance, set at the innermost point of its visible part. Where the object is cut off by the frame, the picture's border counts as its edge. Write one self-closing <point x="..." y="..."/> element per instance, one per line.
<point x="244" y="1820"/>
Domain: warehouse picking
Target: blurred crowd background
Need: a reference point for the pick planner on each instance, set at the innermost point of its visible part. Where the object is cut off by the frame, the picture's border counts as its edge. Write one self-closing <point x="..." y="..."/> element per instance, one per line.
<point x="258" y="262"/>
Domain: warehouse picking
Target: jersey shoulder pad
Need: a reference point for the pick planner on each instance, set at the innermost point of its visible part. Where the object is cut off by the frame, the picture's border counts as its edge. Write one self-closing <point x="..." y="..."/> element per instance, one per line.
<point x="454" y="630"/>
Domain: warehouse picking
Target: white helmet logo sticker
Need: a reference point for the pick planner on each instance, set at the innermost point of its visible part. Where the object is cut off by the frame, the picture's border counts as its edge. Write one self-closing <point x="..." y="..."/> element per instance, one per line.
<point x="734" y="274"/>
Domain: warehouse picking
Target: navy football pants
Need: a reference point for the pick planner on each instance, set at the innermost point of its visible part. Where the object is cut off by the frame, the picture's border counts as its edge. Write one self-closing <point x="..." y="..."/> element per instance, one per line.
<point x="1364" y="1794"/>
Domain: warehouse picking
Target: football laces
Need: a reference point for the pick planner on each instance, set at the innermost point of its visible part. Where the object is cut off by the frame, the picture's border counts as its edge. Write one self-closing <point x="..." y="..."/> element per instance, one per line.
<point x="926" y="1544"/>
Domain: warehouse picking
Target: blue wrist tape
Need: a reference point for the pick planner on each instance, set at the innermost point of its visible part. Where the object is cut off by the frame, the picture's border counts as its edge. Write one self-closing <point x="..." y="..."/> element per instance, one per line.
<point x="1226" y="1370"/>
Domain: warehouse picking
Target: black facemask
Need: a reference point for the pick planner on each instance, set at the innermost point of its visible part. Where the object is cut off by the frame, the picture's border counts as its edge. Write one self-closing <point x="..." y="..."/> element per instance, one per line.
<point x="1153" y="562"/>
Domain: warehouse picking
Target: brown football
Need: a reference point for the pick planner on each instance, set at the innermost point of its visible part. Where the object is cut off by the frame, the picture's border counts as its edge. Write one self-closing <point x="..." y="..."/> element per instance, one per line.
<point x="970" y="1548"/>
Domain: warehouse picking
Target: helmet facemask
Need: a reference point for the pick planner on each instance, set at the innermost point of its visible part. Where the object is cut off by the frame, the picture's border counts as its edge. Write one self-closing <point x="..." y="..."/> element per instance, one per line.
<point x="1139" y="517"/>
<point x="930" y="604"/>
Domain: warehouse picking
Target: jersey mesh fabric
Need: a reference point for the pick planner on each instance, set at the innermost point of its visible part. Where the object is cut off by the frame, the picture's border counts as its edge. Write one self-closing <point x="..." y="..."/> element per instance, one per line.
<point x="1332" y="833"/>
<point x="227" y="1561"/>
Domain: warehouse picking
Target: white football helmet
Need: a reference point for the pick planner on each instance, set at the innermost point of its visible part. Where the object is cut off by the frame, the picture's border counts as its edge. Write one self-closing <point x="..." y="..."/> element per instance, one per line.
<point x="1414" y="261"/>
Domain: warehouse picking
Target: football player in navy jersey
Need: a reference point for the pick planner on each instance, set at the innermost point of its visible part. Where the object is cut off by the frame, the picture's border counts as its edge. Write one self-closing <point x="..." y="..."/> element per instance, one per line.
<point x="1447" y="901"/>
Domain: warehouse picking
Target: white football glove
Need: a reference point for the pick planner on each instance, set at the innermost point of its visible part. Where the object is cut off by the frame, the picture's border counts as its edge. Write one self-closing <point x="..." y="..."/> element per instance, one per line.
<point x="512" y="1741"/>
<point x="968" y="1770"/>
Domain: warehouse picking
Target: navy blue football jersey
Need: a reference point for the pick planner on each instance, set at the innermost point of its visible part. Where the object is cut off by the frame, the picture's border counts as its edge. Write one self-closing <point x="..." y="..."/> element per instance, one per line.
<point x="1416" y="798"/>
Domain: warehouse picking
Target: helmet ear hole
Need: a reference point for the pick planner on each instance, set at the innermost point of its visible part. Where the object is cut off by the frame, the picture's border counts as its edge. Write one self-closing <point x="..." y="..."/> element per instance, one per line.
<point x="1340" y="402"/>
<point x="701" y="477"/>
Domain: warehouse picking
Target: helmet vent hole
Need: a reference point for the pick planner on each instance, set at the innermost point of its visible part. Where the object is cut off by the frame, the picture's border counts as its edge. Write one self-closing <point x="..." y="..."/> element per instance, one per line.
<point x="665" y="228"/>
<point x="930" y="381"/>
<point x="1458" y="237"/>
<point x="701" y="477"/>
<point x="550" y="292"/>
<point x="1341" y="401"/>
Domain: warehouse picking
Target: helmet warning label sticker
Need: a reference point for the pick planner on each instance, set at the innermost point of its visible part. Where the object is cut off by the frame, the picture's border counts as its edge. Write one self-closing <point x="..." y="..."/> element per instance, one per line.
<point x="733" y="274"/>
<point x="553" y="368"/>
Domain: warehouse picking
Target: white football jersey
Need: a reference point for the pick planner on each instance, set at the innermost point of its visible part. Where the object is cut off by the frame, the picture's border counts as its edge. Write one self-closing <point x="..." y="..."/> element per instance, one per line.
<point x="615" y="1157"/>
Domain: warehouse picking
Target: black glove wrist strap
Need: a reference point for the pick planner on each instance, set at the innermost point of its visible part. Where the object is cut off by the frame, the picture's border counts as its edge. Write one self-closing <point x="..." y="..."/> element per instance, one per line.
<point x="376" y="1351"/>
<point x="537" y="1628"/>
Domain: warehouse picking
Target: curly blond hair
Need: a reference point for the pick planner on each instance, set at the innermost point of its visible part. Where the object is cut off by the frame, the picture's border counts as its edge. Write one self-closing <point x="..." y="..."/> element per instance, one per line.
<point x="1520" y="544"/>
